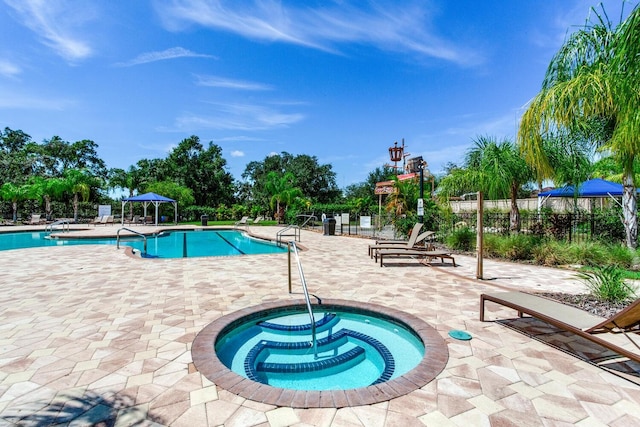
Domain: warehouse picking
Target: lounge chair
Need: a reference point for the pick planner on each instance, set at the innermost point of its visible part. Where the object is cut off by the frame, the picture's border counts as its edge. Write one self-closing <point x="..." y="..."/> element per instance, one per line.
<point x="426" y="254"/>
<point x="35" y="219"/>
<point x="258" y="219"/>
<point x="135" y="220"/>
<point x="390" y="244"/>
<point x="243" y="221"/>
<point x="106" y="219"/>
<point x="572" y="319"/>
<point x="97" y="220"/>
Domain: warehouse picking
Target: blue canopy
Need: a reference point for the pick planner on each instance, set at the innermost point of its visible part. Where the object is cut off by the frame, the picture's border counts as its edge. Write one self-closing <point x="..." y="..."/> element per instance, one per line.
<point x="147" y="198"/>
<point x="592" y="188"/>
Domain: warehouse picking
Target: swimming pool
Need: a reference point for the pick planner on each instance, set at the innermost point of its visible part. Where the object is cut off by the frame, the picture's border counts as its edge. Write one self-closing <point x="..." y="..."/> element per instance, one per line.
<point x="167" y="244"/>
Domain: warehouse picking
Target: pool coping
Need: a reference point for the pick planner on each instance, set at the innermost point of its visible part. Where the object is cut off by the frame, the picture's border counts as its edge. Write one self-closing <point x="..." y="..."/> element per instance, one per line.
<point x="207" y="363"/>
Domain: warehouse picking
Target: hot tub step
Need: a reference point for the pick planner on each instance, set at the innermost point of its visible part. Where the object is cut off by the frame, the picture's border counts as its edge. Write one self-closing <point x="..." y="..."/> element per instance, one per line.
<point x="346" y="359"/>
<point x="321" y="324"/>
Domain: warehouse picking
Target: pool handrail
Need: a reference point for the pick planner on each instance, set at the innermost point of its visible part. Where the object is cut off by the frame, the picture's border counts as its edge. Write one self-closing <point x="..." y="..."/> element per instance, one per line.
<point x="49" y="227"/>
<point x="131" y="231"/>
<point x="314" y="341"/>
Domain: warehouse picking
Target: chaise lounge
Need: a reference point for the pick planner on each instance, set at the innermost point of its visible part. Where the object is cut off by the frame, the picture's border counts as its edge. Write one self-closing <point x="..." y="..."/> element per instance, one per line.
<point x="415" y="237"/>
<point x="425" y="254"/>
<point x="572" y="319"/>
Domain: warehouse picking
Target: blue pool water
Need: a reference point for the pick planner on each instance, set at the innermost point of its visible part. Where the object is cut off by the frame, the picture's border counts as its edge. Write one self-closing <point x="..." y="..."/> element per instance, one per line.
<point x="356" y="350"/>
<point x="170" y="244"/>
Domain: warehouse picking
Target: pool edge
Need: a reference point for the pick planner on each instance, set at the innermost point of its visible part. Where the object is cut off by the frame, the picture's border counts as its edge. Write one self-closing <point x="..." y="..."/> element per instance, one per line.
<point x="207" y="363"/>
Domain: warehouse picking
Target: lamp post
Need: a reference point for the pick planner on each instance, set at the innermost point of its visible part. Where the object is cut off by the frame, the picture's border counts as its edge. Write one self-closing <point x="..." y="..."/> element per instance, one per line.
<point x="421" y="165"/>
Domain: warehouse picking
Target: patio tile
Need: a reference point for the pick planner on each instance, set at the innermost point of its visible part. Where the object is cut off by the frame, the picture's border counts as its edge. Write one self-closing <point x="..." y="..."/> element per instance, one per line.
<point x="74" y="329"/>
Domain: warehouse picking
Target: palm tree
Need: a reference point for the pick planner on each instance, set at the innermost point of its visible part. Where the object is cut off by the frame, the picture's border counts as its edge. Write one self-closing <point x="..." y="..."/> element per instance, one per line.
<point x="282" y="190"/>
<point x="594" y="77"/>
<point x="47" y="188"/>
<point x="495" y="168"/>
<point x="14" y="194"/>
<point x="133" y="180"/>
<point x="404" y="196"/>
<point x="79" y="183"/>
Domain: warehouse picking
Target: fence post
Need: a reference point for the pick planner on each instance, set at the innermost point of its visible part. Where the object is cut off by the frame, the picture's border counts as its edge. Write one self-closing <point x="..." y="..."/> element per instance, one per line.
<point x="479" y="245"/>
<point x="570" y="226"/>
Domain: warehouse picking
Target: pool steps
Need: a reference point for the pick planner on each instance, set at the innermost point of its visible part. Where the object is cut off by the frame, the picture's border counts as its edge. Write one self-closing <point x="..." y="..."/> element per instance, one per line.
<point x="255" y="361"/>
<point x="328" y="320"/>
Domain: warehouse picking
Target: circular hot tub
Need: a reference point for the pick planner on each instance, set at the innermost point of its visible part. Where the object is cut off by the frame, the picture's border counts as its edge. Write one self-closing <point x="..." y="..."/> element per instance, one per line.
<point x="362" y="353"/>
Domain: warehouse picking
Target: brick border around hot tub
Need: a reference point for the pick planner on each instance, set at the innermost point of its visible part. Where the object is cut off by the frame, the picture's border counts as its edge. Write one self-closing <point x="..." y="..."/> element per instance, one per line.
<point x="206" y="361"/>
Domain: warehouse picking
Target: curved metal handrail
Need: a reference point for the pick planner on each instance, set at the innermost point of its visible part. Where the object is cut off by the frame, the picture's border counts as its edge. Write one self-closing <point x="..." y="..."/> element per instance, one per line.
<point x="131" y="231"/>
<point x="49" y="227"/>
<point x="314" y="341"/>
<point x="281" y="233"/>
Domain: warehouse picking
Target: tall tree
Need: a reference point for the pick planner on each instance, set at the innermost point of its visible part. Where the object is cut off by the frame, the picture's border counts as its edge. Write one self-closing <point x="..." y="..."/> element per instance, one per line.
<point x="495" y="168"/>
<point x="595" y="76"/>
<point x="314" y="180"/>
<point x="15" y="161"/>
<point x="202" y="170"/>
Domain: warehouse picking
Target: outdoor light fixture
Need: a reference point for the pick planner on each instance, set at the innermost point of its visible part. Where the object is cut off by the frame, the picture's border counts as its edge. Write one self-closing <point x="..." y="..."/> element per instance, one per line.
<point x="395" y="152"/>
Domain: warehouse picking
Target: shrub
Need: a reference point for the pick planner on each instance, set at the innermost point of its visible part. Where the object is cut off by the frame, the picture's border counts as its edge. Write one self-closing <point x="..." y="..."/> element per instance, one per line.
<point x="462" y="239"/>
<point x="607" y="284"/>
<point x="550" y="253"/>
<point x="587" y="253"/>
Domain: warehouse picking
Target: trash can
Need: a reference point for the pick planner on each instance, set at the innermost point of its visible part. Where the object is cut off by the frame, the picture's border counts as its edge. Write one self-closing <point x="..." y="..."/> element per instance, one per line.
<point x="204" y="219"/>
<point x="329" y="227"/>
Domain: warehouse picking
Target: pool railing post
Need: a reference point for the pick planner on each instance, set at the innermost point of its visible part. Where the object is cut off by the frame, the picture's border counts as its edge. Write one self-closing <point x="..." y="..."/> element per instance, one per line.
<point x="289" y="263"/>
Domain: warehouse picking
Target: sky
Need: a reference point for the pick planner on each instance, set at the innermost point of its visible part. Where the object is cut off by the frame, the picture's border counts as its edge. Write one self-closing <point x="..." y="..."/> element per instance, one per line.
<point x="339" y="80"/>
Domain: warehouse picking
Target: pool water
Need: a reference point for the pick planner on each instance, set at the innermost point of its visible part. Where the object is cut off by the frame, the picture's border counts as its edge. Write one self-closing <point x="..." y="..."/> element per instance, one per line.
<point x="355" y="350"/>
<point x="169" y="244"/>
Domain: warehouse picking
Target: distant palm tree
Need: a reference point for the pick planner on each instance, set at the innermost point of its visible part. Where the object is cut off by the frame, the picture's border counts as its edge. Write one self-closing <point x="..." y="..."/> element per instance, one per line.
<point x="79" y="184"/>
<point x="283" y="191"/>
<point x="594" y="77"/>
<point x="14" y="194"/>
<point x="47" y="188"/>
<point x="133" y="180"/>
<point x="495" y="168"/>
<point x="403" y="197"/>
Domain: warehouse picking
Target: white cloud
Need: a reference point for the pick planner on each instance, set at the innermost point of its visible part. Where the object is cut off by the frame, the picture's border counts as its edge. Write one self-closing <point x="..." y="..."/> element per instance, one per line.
<point x="239" y="117"/>
<point x="172" y="53"/>
<point x="56" y="22"/>
<point x="9" y="69"/>
<point x="237" y="153"/>
<point x="391" y="26"/>
<point x="215" y="81"/>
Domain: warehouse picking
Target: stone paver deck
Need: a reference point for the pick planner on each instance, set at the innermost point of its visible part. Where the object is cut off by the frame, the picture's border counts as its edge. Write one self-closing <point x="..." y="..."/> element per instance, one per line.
<point x="89" y="335"/>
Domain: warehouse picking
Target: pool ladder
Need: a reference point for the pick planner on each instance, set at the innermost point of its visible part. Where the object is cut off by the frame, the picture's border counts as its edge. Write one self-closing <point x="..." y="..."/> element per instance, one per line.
<point x="131" y="231"/>
<point x="63" y="222"/>
<point x="314" y="341"/>
<point x="293" y="230"/>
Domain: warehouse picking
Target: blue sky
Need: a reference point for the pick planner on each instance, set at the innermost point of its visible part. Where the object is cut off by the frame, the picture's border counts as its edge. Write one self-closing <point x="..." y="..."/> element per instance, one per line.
<point x="340" y="80"/>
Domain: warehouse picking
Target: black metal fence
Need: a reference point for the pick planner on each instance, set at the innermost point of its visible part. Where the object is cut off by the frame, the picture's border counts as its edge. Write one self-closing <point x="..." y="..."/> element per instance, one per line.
<point x="572" y="227"/>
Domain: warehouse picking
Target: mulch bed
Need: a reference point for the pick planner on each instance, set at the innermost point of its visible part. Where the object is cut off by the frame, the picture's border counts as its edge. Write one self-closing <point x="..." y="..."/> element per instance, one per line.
<point x="587" y="302"/>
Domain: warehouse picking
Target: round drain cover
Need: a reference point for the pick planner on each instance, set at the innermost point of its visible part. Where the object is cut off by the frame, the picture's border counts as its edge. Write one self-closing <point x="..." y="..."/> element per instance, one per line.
<point x="460" y="335"/>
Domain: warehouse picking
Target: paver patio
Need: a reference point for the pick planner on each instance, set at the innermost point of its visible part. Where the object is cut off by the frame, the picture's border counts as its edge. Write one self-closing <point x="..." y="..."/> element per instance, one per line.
<point x="89" y="335"/>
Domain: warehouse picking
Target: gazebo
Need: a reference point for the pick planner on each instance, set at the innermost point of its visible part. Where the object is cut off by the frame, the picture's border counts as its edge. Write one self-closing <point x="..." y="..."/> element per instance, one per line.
<point x="147" y="199"/>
